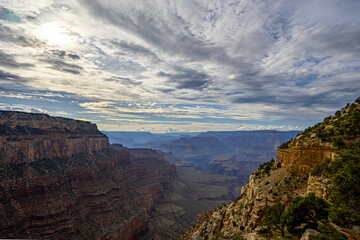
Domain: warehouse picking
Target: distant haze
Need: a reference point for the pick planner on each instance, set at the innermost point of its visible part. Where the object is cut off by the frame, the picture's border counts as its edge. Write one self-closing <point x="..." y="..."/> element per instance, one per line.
<point x="235" y="153"/>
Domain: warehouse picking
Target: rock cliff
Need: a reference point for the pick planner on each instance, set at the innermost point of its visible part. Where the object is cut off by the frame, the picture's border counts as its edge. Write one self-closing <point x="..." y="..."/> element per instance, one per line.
<point x="85" y="196"/>
<point x="305" y="155"/>
<point x="26" y="137"/>
<point x="59" y="179"/>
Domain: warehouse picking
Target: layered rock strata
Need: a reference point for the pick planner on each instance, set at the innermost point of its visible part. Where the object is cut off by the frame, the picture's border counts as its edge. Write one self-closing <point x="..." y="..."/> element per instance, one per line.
<point x="85" y="196"/>
<point x="59" y="179"/>
<point x="308" y="155"/>
<point x="26" y="137"/>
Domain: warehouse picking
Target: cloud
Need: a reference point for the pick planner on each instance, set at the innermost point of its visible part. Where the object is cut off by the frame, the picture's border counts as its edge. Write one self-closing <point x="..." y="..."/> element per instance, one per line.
<point x="11" y="78"/>
<point x="134" y="49"/>
<point x="187" y="79"/>
<point x="21" y="108"/>
<point x="7" y="60"/>
<point x="276" y="62"/>
<point x="59" y="64"/>
<point x="11" y="36"/>
<point x="123" y="80"/>
<point x="9" y="15"/>
<point x="25" y="108"/>
<point x="62" y="54"/>
<point x="145" y="24"/>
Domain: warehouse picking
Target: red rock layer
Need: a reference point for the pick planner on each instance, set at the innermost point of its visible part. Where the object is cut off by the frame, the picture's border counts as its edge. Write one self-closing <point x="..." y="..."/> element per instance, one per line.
<point x="150" y="167"/>
<point x="60" y="180"/>
<point x="84" y="196"/>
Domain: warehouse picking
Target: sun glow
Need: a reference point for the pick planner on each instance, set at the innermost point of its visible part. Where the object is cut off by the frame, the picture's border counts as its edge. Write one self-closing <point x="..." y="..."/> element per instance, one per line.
<point x="56" y="33"/>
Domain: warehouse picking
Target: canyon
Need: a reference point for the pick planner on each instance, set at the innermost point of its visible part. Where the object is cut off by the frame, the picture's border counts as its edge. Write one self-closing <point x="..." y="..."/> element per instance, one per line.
<point x="304" y="165"/>
<point x="228" y="153"/>
<point x="61" y="179"/>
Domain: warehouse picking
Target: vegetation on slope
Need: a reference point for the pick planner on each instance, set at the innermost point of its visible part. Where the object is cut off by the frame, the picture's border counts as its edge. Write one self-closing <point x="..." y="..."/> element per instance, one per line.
<point x="302" y="213"/>
<point x="343" y="131"/>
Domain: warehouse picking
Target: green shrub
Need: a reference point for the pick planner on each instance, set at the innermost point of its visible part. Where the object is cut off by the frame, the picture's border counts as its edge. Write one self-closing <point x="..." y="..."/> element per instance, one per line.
<point x="345" y="190"/>
<point x="305" y="212"/>
<point x="220" y="235"/>
<point x="285" y="145"/>
<point x="327" y="232"/>
<point x="238" y="236"/>
<point x="266" y="166"/>
<point x="275" y="218"/>
<point x="322" y="168"/>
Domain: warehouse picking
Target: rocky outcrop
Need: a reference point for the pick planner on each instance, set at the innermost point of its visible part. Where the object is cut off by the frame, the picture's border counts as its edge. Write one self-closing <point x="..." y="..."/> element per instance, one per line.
<point x="320" y="185"/>
<point x="26" y="137"/>
<point x="309" y="234"/>
<point x="309" y="155"/>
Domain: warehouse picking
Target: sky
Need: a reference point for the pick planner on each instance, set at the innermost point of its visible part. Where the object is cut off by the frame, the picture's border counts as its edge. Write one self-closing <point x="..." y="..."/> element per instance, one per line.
<point x="181" y="65"/>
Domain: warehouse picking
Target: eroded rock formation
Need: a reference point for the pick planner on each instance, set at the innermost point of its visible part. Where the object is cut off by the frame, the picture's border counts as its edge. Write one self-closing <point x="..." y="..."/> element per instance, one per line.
<point x="59" y="179"/>
<point x="308" y="155"/>
<point x="26" y="137"/>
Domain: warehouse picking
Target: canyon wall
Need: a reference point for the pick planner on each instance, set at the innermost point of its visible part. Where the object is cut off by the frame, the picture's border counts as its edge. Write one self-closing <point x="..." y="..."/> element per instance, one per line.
<point x="26" y="137"/>
<point x="85" y="196"/>
<point x="59" y="179"/>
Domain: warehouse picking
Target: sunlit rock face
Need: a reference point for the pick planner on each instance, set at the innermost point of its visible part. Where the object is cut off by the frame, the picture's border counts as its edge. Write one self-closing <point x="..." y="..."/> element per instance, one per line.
<point x="310" y="154"/>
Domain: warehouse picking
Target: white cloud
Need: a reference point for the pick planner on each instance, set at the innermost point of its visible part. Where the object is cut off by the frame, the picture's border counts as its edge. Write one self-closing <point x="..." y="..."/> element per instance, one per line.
<point x="25" y="108"/>
<point x="289" y="61"/>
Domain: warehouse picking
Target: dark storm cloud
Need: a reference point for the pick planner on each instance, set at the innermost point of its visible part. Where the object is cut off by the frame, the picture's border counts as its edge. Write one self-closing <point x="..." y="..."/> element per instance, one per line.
<point x="305" y="100"/>
<point x="7" y="60"/>
<point x="76" y="72"/>
<point x="188" y="79"/>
